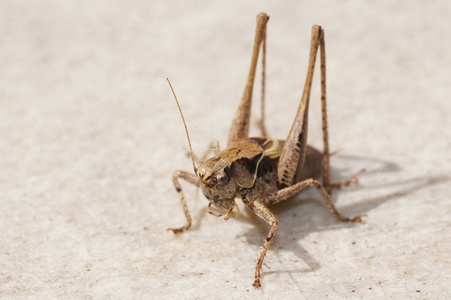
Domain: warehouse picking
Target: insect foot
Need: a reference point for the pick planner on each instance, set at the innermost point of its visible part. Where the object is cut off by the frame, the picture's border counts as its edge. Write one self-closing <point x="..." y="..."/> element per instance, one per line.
<point x="356" y="219"/>
<point x="257" y="283"/>
<point x="178" y="230"/>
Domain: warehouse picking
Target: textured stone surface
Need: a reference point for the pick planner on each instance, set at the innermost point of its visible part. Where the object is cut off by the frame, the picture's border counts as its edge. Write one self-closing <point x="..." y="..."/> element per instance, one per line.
<point x="90" y="135"/>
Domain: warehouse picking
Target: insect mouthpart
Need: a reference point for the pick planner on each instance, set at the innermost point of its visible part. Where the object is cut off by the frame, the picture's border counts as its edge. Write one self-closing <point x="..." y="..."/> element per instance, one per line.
<point x="229" y="205"/>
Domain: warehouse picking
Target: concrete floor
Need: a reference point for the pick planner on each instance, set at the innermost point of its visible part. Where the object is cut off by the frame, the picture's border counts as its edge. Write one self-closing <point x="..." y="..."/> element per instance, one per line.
<point x="90" y="136"/>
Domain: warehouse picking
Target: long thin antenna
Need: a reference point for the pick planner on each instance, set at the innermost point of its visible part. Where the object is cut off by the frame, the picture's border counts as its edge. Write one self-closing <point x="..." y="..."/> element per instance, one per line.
<point x="186" y="128"/>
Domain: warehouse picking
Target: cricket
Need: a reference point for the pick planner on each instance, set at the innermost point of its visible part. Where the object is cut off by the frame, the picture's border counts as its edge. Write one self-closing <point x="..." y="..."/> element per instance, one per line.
<point x="262" y="171"/>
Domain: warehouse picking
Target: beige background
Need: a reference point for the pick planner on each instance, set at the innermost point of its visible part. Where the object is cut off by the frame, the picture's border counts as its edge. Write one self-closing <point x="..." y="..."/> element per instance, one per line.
<point x="90" y="136"/>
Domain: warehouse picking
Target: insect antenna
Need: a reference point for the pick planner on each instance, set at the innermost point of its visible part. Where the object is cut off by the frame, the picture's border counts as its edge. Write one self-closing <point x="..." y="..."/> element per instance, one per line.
<point x="186" y="128"/>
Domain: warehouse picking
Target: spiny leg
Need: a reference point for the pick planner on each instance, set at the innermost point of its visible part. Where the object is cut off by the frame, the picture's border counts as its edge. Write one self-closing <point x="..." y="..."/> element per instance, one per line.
<point x="290" y="191"/>
<point x="261" y="123"/>
<point x="326" y="154"/>
<point x="327" y="184"/>
<point x="240" y="124"/>
<point x="191" y="178"/>
<point x="263" y="212"/>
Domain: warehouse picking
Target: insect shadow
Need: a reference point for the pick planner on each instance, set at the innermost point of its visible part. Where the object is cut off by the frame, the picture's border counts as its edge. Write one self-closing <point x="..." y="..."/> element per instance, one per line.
<point x="309" y="214"/>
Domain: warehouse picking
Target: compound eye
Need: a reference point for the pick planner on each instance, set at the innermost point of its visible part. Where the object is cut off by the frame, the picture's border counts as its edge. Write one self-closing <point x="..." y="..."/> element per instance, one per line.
<point x="222" y="178"/>
<point x="212" y="181"/>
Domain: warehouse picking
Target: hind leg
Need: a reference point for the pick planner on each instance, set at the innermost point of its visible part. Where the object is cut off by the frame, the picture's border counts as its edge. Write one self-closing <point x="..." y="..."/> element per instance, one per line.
<point x="240" y="124"/>
<point x="295" y="147"/>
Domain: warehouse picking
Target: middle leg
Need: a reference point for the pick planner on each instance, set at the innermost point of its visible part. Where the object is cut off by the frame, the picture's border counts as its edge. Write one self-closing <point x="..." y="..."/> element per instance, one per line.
<point x="290" y="191"/>
<point x="263" y="212"/>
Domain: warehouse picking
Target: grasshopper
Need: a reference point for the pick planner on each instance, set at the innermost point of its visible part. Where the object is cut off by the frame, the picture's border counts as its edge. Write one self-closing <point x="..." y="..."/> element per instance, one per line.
<point x="259" y="170"/>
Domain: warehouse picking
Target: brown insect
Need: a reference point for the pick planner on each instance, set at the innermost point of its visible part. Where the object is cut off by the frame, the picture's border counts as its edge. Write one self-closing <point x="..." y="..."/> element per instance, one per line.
<point x="260" y="170"/>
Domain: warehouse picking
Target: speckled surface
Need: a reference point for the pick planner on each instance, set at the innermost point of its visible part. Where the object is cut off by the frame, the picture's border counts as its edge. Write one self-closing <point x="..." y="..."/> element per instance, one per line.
<point x="90" y="135"/>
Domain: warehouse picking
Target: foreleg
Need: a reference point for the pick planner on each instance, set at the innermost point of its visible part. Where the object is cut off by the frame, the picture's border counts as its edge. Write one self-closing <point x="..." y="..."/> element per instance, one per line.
<point x="191" y="178"/>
